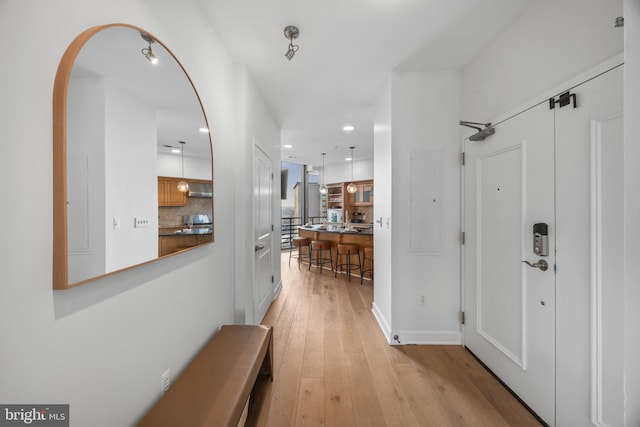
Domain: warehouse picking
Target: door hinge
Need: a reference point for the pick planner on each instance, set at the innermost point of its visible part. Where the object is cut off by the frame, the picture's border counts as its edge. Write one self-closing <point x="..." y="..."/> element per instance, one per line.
<point x="272" y="279"/>
<point x="564" y="99"/>
<point x="462" y="237"/>
<point x="462" y="158"/>
<point x="271" y="176"/>
<point x="462" y="317"/>
<point x="272" y="228"/>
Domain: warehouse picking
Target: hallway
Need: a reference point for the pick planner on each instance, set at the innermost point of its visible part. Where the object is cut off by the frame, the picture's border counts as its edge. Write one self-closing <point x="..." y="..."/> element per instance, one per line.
<point x="333" y="367"/>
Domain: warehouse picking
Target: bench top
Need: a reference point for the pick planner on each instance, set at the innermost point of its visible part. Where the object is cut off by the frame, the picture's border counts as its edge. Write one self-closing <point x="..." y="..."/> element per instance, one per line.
<point x="214" y="388"/>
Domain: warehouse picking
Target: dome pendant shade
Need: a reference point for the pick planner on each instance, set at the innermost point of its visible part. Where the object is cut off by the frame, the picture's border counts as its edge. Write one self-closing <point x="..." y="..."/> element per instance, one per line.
<point x="183" y="186"/>
<point x="323" y="189"/>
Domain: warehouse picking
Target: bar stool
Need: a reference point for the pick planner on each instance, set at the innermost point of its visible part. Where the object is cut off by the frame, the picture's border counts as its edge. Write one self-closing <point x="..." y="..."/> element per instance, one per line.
<point x="346" y="250"/>
<point x="300" y="243"/>
<point x="367" y="256"/>
<point x="319" y="250"/>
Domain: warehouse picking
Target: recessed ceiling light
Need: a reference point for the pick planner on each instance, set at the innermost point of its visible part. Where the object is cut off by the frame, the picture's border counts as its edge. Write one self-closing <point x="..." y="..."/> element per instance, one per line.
<point x="288" y="146"/>
<point x="348" y="128"/>
<point x="175" y="150"/>
<point x="348" y="159"/>
<point x="204" y="130"/>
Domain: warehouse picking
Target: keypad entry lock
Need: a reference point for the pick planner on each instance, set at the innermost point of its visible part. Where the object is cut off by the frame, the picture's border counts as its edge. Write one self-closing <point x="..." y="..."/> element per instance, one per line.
<point x="541" y="239"/>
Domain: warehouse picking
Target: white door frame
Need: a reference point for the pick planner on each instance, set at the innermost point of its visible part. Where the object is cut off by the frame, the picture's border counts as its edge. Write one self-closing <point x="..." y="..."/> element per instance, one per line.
<point x="262" y="293"/>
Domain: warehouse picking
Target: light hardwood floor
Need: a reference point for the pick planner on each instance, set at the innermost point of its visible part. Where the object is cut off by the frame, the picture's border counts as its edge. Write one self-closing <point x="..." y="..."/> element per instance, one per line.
<point x="333" y="366"/>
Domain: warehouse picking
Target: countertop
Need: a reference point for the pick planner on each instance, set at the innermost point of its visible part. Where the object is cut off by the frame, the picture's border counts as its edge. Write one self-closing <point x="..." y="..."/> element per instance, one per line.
<point x="184" y="231"/>
<point x="338" y="230"/>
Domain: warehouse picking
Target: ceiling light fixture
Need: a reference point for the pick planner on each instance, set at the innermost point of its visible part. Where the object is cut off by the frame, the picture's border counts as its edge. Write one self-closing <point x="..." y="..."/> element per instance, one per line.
<point x="147" y="51"/>
<point x="291" y="32"/>
<point x="204" y="130"/>
<point x="348" y="128"/>
<point x="183" y="186"/>
<point x="352" y="188"/>
<point x="287" y="146"/>
<point x="323" y="188"/>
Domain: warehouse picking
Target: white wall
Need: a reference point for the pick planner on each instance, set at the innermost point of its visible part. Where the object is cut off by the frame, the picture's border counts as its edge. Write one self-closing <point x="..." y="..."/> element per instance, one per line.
<point x="425" y="109"/>
<point x="131" y="183"/>
<point x="101" y="347"/>
<point x="382" y="141"/>
<point x="632" y="211"/>
<point x="362" y="170"/>
<point x="257" y="127"/>
<point x="550" y="43"/>
<point x="417" y="175"/>
<point x="85" y="178"/>
<point x="194" y="167"/>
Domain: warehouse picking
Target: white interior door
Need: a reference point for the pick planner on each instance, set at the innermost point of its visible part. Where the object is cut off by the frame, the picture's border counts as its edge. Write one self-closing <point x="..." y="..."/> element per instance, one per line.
<point x="263" y="233"/>
<point x="509" y="305"/>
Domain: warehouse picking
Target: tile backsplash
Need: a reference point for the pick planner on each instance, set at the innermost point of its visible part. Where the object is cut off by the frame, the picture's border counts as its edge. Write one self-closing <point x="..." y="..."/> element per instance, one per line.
<point x="172" y="216"/>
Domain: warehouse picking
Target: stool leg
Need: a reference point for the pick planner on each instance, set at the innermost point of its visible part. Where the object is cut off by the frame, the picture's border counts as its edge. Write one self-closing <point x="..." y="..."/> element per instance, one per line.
<point x="290" y="250"/>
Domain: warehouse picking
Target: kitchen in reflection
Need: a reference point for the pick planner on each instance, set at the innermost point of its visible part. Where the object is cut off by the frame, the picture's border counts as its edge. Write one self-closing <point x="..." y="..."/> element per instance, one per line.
<point x="185" y="219"/>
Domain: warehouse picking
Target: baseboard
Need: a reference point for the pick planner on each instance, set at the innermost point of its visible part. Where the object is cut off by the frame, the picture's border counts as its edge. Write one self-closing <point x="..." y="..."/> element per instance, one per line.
<point x="426" y="337"/>
<point x="381" y="321"/>
<point x="277" y="290"/>
<point x="415" y="337"/>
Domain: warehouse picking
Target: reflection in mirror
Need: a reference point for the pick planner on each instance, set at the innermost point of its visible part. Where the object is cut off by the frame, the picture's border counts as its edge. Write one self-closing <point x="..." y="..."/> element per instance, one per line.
<point x="118" y="124"/>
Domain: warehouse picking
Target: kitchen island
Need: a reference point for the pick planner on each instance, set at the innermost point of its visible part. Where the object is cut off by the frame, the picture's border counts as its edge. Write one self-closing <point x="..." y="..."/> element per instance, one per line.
<point x="336" y="235"/>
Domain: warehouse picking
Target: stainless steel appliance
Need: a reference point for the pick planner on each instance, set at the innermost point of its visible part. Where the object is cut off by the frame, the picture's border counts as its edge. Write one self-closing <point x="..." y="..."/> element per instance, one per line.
<point x="358" y="217"/>
<point x="199" y="223"/>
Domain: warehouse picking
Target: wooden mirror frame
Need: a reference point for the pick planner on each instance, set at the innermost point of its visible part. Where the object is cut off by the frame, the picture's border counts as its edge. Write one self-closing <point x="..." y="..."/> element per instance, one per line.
<point x="60" y="88"/>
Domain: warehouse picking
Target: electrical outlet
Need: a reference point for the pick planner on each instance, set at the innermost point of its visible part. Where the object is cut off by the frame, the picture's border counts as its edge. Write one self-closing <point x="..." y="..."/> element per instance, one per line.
<point x="140" y="222"/>
<point x="165" y="381"/>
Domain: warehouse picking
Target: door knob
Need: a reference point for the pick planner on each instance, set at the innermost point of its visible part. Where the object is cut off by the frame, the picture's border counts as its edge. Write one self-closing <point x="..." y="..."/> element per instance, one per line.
<point x="542" y="264"/>
<point x="259" y="247"/>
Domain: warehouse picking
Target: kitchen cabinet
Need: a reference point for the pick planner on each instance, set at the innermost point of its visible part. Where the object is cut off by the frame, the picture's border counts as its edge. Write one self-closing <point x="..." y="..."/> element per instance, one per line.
<point x="364" y="195"/>
<point x="170" y="244"/>
<point x="168" y="194"/>
<point x="335" y="196"/>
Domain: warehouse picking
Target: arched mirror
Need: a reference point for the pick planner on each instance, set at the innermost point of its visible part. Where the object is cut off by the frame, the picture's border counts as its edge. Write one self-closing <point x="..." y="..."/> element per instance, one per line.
<point x="128" y="128"/>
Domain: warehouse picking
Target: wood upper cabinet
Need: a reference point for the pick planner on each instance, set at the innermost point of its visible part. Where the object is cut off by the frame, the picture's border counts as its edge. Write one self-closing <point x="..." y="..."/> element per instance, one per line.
<point x="364" y="195"/>
<point x="168" y="194"/>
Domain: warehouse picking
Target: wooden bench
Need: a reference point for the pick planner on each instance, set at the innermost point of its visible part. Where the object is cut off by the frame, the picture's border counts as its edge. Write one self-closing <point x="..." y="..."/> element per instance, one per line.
<point x="214" y="388"/>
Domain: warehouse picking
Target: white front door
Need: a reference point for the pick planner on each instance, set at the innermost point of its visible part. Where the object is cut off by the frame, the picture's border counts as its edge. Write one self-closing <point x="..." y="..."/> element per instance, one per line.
<point x="263" y="233"/>
<point x="543" y="333"/>
<point x="509" y="305"/>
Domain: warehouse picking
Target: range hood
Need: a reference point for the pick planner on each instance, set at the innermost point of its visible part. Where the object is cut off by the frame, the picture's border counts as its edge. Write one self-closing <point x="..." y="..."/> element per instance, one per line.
<point x="200" y="189"/>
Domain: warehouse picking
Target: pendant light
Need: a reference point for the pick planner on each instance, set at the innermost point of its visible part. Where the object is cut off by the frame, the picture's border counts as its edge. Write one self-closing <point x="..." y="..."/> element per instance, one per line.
<point x="183" y="186"/>
<point x="352" y="188"/>
<point x="323" y="188"/>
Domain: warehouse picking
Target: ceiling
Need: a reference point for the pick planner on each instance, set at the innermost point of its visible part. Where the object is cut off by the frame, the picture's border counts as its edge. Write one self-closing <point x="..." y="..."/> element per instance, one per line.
<point x="347" y="50"/>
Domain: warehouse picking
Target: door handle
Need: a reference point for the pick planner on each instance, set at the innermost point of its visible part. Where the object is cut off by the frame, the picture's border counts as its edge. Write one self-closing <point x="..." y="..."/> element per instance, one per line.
<point x="259" y="247"/>
<point x="542" y="264"/>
